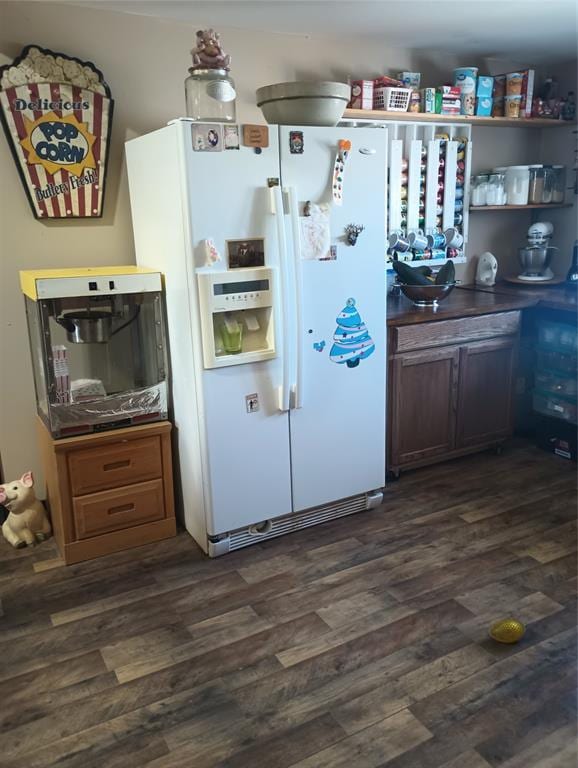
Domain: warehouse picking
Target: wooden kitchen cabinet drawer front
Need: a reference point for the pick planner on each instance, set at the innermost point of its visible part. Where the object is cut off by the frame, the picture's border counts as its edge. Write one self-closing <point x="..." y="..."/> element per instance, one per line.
<point x="112" y="510"/>
<point x="114" y="465"/>
<point x="408" y="338"/>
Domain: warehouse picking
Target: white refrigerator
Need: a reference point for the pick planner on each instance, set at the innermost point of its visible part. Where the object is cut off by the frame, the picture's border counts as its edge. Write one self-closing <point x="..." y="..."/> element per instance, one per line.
<point x="277" y="347"/>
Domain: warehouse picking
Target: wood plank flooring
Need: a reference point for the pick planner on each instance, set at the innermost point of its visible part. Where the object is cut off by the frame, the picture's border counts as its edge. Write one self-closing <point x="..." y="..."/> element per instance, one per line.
<point x="362" y="643"/>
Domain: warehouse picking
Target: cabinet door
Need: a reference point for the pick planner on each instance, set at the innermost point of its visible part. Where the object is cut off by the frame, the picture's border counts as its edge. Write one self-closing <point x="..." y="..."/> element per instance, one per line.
<point x="423" y="405"/>
<point x="485" y="391"/>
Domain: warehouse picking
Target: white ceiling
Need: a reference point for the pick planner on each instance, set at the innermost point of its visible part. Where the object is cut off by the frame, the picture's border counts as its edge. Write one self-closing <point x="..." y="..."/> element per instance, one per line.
<point x="536" y="30"/>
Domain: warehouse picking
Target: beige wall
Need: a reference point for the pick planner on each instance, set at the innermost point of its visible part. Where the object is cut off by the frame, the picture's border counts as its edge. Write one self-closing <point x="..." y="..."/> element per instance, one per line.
<point x="145" y="61"/>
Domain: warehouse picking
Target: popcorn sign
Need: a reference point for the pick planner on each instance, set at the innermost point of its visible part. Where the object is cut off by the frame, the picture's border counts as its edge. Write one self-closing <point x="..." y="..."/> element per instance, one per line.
<point x="57" y="112"/>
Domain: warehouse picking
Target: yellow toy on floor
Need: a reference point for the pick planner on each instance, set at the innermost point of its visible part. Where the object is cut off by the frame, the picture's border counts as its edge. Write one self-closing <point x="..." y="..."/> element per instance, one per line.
<point x="507" y="631"/>
<point x="27" y="522"/>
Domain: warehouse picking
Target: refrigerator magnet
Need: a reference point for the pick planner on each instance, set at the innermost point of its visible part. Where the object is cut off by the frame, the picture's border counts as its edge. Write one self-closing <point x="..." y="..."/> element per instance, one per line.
<point x="211" y="254"/>
<point x="246" y="253"/>
<point x="231" y="139"/>
<point x="256" y="136"/>
<point x="207" y="137"/>
<point x="296" y="142"/>
<point x="352" y="232"/>
<point x="351" y="340"/>
<point x="343" y="150"/>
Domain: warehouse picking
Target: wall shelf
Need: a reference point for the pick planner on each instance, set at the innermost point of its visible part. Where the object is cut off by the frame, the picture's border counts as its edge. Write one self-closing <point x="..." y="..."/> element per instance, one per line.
<point x="422" y="117"/>
<point x="542" y="207"/>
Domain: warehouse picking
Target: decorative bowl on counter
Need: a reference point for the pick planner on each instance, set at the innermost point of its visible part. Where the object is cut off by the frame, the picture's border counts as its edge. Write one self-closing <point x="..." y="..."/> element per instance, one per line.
<point x="427" y="295"/>
<point x="304" y="103"/>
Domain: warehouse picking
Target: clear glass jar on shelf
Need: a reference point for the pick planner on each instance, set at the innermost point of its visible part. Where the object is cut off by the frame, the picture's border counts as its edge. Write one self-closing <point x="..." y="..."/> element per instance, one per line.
<point x="559" y="191"/>
<point x="548" y="191"/>
<point x="536" y="188"/>
<point x="479" y="190"/>
<point x="496" y="191"/>
<point x="210" y="95"/>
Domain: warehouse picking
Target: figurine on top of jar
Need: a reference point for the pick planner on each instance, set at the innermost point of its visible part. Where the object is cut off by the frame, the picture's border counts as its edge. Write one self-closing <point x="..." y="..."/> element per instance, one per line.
<point x="209" y="89"/>
<point x="209" y="54"/>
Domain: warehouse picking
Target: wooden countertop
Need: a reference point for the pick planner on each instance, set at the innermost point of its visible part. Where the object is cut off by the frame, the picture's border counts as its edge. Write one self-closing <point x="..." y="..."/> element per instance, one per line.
<point x="562" y="297"/>
<point x="460" y="303"/>
<point x="471" y="300"/>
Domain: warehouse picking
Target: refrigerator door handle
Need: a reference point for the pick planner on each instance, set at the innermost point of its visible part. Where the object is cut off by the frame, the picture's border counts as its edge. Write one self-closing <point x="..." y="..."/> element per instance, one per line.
<point x="285" y="388"/>
<point x="297" y="386"/>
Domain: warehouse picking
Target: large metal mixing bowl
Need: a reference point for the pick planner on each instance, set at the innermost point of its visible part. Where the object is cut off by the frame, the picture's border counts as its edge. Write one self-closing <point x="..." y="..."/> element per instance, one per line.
<point x="535" y="259"/>
<point x="427" y="295"/>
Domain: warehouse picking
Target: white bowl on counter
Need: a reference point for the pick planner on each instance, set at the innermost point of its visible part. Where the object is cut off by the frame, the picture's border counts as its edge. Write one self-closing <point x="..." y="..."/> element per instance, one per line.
<point x="304" y="103"/>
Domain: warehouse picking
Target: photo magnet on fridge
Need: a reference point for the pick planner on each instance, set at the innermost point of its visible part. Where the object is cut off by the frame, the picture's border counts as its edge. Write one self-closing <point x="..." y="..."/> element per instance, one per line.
<point x="207" y="137"/>
<point x="231" y="138"/>
<point x="296" y="142"/>
<point x="246" y="253"/>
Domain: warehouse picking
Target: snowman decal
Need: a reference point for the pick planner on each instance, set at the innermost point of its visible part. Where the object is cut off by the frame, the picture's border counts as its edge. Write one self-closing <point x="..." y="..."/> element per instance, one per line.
<point x="351" y="340"/>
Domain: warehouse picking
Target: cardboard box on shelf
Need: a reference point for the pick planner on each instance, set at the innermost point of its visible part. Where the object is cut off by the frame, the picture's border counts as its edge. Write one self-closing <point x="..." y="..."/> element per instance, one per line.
<point x="428" y="100"/>
<point x="484" y="106"/>
<point x="361" y="94"/>
<point x="410" y="79"/>
<point x="499" y="91"/>
<point x="527" y="92"/>
<point x="485" y="86"/>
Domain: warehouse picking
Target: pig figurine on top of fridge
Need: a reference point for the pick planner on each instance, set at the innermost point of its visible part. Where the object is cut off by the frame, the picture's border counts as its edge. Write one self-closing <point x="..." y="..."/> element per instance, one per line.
<point x="27" y="522"/>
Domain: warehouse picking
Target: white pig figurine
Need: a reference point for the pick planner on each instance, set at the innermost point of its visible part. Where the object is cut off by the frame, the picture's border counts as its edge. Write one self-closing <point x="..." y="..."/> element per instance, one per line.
<point x="27" y="521"/>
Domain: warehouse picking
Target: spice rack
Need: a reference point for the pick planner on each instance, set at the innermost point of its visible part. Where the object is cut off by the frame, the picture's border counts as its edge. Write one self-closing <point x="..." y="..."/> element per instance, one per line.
<point x="428" y="187"/>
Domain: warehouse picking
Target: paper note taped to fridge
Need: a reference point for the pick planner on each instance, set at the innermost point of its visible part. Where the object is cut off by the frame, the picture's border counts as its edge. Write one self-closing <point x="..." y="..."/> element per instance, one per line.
<point x="316" y="233"/>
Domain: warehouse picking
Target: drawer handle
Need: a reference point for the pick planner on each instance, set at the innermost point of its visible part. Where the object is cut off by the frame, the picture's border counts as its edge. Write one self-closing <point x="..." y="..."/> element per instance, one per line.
<point x="122" y="508"/>
<point x="116" y="465"/>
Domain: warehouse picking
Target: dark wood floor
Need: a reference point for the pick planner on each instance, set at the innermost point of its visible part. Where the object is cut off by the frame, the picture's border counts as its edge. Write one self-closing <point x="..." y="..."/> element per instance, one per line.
<point x="362" y="643"/>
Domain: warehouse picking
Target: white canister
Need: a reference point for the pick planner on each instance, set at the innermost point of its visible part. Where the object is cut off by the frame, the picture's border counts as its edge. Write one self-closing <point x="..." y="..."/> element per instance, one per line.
<point x="517" y="184"/>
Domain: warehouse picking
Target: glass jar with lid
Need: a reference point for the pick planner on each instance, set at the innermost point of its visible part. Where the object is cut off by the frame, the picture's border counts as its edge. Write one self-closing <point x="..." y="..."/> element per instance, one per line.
<point x="548" y="191"/>
<point x="479" y="190"/>
<point x="536" y="188"/>
<point x="210" y="95"/>
<point x="496" y="191"/>
<point x="559" y="190"/>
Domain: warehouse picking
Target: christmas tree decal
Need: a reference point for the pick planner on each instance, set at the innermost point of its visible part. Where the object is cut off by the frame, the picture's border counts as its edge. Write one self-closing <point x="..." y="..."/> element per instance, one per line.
<point x="352" y="341"/>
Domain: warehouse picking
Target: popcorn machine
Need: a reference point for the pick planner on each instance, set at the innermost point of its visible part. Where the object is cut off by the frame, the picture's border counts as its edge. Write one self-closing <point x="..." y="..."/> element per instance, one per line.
<point x="98" y="344"/>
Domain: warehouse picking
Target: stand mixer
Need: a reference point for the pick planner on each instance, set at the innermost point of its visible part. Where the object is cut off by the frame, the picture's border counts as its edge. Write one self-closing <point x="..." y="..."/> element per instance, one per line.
<point x="535" y="257"/>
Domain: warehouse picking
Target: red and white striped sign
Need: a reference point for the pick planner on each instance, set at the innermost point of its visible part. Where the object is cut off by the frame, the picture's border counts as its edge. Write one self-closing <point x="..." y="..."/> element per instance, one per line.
<point x="59" y="135"/>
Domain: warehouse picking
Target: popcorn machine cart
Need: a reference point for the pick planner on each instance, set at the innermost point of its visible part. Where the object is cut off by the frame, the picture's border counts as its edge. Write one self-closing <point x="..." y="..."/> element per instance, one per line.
<point x="99" y="357"/>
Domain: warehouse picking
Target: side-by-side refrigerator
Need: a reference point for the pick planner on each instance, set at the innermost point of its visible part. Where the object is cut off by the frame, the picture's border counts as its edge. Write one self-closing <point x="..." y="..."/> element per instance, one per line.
<point x="274" y="266"/>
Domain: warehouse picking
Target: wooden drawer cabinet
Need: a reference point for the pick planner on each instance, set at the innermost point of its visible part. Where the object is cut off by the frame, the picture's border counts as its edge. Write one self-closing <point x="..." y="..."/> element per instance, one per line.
<point x="109" y="491"/>
<point x="111" y="510"/>
<point x="110" y="466"/>
<point x="449" y="395"/>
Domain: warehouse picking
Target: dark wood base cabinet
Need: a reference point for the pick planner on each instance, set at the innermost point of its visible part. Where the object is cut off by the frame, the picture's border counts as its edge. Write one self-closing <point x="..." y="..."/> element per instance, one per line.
<point x="451" y="388"/>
